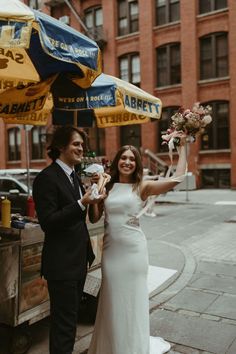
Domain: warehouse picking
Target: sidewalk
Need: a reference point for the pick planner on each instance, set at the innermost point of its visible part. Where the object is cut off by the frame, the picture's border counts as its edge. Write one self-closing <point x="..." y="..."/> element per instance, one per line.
<point x="195" y="308"/>
<point x="197" y="313"/>
<point x="202" y="196"/>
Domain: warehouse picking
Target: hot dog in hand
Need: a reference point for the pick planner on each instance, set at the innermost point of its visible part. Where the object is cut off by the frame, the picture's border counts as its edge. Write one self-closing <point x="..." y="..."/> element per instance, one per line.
<point x="104" y="178"/>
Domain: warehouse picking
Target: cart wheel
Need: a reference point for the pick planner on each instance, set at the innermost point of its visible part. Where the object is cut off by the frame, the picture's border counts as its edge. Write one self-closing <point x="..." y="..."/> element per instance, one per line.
<point x="5" y="338"/>
<point x="21" y="341"/>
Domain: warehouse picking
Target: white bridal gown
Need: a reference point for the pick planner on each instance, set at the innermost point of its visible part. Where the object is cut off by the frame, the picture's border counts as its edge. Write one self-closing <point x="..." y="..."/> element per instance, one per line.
<point x="122" y="322"/>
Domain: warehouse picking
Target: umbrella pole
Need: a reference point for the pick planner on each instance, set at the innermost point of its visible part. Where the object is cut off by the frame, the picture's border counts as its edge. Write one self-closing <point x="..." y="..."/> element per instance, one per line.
<point x="27" y="157"/>
<point x="75" y="119"/>
<point x="187" y="186"/>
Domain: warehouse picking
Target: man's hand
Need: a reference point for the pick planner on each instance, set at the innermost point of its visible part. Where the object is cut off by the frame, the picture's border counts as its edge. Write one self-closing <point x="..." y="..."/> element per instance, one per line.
<point x="95" y="177"/>
<point x="101" y="179"/>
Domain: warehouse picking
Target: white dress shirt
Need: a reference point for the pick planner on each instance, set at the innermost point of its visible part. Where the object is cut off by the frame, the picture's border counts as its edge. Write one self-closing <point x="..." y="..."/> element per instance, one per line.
<point x="67" y="169"/>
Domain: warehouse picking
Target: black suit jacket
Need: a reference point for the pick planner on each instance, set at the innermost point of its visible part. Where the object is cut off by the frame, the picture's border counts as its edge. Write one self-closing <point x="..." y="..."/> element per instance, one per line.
<point x="67" y="249"/>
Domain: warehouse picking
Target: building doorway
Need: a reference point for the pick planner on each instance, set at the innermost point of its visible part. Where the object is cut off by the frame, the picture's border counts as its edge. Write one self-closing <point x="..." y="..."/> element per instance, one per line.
<point x="216" y="178"/>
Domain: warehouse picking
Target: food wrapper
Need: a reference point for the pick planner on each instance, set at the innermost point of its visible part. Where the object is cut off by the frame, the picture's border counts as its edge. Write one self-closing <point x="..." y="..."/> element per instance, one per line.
<point x="94" y="192"/>
<point x="98" y="188"/>
<point x="104" y="178"/>
<point x="94" y="168"/>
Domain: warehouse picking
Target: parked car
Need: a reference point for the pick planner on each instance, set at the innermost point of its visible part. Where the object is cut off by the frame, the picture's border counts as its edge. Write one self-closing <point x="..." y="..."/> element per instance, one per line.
<point x="13" y="185"/>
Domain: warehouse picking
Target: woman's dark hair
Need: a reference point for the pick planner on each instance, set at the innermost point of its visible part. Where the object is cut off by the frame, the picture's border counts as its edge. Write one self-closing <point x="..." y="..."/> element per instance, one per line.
<point x="61" y="138"/>
<point x="138" y="173"/>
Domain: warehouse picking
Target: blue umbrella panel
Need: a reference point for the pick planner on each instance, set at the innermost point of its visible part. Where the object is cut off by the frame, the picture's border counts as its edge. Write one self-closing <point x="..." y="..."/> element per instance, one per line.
<point x="33" y="50"/>
<point x="113" y="102"/>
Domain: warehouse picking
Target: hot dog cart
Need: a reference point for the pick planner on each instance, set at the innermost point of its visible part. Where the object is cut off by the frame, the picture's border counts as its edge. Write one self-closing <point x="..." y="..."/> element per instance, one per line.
<point x="23" y="293"/>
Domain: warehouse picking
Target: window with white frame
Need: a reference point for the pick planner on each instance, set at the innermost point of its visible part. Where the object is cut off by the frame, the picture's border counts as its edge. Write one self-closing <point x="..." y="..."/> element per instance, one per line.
<point x="129" y="66"/>
<point x="14" y="144"/>
<point x="211" y="5"/>
<point x="216" y="134"/>
<point x="38" y="143"/>
<point x="128" y="14"/>
<point x="168" y="65"/>
<point x="167" y="11"/>
<point x="214" y="56"/>
<point x="35" y="4"/>
<point x="96" y="140"/>
<point x="94" y="18"/>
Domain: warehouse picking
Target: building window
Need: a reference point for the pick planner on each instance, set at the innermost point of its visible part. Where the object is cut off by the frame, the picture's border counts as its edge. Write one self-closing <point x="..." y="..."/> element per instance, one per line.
<point x="130" y="68"/>
<point x="131" y="135"/>
<point x="216" y="178"/>
<point x="14" y="144"/>
<point x="211" y="5"/>
<point x="168" y="65"/>
<point x="38" y="143"/>
<point x="167" y="11"/>
<point x="216" y="135"/>
<point x="94" y="19"/>
<point x="96" y="140"/>
<point x="163" y="125"/>
<point x="214" y="56"/>
<point x="35" y="4"/>
<point x="128" y="17"/>
<point x="94" y="23"/>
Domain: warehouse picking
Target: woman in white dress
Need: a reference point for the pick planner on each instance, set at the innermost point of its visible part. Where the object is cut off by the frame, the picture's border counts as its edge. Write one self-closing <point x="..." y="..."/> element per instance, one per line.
<point x="122" y="321"/>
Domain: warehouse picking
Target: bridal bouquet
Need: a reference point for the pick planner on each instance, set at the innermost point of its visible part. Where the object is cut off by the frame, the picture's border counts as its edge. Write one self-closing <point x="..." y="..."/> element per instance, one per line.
<point x="189" y="122"/>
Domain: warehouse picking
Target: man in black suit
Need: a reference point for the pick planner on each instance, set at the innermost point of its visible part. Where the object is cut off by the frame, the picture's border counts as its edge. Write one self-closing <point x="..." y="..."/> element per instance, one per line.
<point x="61" y="203"/>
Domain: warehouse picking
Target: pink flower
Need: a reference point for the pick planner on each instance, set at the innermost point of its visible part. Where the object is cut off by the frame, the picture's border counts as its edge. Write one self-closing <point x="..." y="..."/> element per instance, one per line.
<point x="166" y="137"/>
<point x="187" y="111"/>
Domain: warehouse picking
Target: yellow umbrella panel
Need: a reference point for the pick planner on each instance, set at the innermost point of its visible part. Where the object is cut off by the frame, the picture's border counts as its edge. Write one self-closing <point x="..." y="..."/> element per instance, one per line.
<point x="113" y="102"/>
<point x="35" y="46"/>
<point x="28" y="105"/>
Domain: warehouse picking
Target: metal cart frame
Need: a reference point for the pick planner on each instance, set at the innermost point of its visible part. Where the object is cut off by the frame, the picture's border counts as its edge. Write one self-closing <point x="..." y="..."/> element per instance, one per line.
<point x="23" y="293"/>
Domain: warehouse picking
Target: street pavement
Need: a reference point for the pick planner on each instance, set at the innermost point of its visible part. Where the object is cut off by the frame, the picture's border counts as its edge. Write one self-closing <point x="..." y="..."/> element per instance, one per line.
<point x="197" y="312"/>
<point x="194" y="233"/>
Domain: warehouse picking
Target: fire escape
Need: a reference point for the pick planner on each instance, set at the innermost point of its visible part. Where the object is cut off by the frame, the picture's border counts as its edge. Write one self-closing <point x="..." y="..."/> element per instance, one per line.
<point x="97" y="34"/>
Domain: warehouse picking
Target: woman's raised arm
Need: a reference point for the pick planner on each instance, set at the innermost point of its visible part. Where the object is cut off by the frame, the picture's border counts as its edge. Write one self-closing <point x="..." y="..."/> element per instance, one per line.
<point x="162" y="186"/>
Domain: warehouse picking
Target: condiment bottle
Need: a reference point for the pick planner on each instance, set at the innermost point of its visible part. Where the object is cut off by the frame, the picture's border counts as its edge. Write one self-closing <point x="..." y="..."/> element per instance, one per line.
<point x="6" y="213"/>
<point x="30" y="207"/>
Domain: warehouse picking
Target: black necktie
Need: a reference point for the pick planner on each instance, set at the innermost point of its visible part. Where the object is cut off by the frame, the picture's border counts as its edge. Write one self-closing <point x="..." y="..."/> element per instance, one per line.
<point x="75" y="183"/>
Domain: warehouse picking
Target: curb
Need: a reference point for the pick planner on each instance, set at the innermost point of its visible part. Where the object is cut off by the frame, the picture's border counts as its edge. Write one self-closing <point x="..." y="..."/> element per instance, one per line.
<point x="169" y="289"/>
<point x="177" y="282"/>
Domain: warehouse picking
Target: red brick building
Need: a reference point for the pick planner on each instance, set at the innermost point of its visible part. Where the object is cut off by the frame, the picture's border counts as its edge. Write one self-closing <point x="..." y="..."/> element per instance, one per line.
<point x="179" y="50"/>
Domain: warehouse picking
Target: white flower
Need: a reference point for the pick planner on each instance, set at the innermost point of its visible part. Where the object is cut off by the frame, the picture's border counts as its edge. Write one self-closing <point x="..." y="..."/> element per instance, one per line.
<point x="206" y="120"/>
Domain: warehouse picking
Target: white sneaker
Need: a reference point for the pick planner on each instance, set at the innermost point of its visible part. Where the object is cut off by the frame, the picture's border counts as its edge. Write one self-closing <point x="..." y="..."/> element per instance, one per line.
<point x="152" y="214"/>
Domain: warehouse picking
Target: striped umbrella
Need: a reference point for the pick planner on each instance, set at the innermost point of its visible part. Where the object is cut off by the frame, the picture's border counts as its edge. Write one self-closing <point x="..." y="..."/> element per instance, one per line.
<point x="109" y="100"/>
<point x="36" y="49"/>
